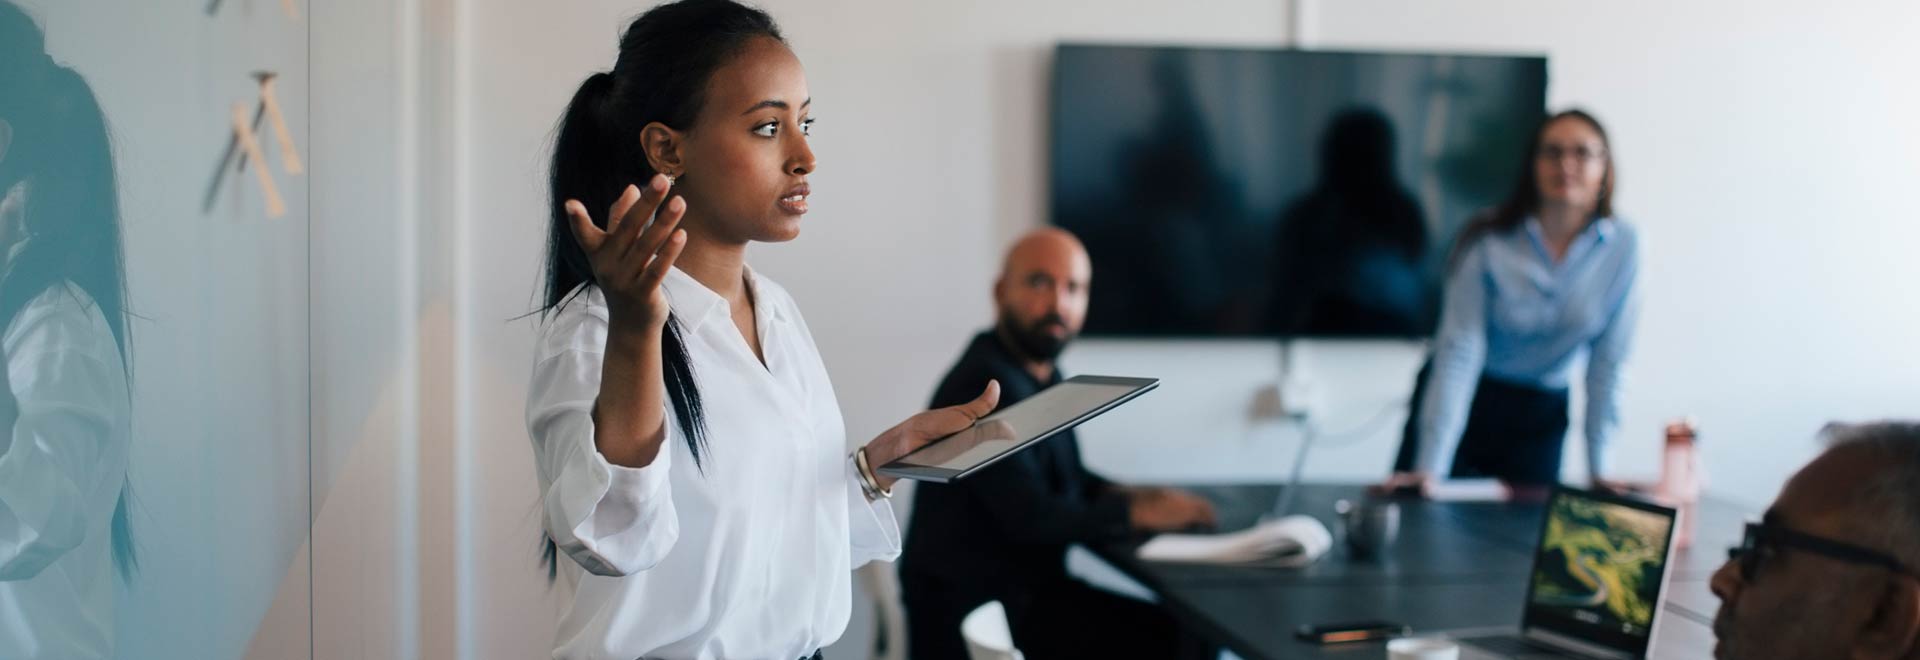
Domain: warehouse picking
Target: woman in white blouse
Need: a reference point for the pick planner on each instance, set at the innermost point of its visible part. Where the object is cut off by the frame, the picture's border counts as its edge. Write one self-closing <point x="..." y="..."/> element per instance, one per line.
<point x="689" y="445"/>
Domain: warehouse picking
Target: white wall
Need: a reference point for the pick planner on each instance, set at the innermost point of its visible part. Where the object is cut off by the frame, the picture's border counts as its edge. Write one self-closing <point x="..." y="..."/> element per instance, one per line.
<point x="1763" y="150"/>
<point x="378" y="553"/>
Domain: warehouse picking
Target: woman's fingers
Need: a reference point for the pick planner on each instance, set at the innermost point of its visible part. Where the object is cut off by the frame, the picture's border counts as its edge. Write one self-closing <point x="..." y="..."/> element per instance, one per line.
<point x="617" y="214"/>
<point x="639" y="264"/>
<point x="588" y="236"/>
<point x="636" y="216"/>
<point x="931" y="425"/>
<point x="936" y="424"/>
<point x="983" y="404"/>
<point x="1399" y="480"/>
<point x="622" y="252"/>
<point x="664" y="224"/>
<point x="656" y="272"/>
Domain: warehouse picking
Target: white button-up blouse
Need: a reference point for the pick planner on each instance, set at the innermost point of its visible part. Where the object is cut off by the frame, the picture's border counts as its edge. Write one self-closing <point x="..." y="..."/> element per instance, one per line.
<point x="749" y="555"/>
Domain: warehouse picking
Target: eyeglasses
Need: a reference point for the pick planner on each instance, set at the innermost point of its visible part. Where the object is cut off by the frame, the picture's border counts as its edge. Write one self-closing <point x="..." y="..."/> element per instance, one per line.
<point x="1766" y="540"/>
<point x="1554" y="153"/>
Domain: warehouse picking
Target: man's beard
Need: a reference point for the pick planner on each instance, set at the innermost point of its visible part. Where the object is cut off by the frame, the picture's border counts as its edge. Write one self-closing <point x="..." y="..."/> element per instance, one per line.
<point x="1033" y="341"/>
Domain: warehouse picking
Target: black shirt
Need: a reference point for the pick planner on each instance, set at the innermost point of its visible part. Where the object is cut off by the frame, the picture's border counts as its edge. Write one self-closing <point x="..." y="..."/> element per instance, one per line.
<point x="1010" y="523"/>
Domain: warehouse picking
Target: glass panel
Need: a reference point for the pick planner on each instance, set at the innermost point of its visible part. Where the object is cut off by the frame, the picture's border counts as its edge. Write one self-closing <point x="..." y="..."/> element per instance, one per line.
<point x="201" y="438"/>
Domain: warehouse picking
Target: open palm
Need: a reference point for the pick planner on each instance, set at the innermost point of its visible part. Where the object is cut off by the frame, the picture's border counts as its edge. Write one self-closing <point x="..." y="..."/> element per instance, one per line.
<point x="632" y="256"/>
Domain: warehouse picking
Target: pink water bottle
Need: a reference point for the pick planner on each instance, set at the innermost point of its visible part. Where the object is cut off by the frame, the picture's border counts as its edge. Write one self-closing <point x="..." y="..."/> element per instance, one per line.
<point x="1680" y="477"/>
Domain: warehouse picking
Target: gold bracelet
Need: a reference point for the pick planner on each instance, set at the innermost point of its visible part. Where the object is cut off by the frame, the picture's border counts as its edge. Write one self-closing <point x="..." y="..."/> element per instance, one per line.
<point x="869" y="482"/>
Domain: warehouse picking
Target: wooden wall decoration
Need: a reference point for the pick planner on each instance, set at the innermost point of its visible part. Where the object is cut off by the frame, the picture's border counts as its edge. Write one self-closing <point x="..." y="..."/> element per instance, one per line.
<point x="244" y="146"/>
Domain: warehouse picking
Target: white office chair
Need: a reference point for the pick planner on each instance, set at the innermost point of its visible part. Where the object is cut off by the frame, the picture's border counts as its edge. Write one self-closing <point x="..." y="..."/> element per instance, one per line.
<point x="883" y="586"/>
<point x="889" y="617"/>
<point x="988" y="635"/>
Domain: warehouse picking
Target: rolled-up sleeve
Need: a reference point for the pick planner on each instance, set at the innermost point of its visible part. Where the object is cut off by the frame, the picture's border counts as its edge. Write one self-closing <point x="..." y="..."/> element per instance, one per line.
<point x="1605" y="363"/>
<point x="1459" y="355"/>
<point x="873" y="528"/>
<point x="58" y="453"/>
<point x="612" y="520"/>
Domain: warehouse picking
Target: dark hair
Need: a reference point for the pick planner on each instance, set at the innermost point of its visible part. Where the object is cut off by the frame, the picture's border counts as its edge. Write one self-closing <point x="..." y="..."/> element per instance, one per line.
<point x="666" y="58"/>
<point x="62" y="149"/>
<point x="1525" y="198"/>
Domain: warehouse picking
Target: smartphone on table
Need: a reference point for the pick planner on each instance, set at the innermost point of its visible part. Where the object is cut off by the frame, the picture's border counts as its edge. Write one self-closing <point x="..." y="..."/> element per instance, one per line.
<point x="1352" y="631"/>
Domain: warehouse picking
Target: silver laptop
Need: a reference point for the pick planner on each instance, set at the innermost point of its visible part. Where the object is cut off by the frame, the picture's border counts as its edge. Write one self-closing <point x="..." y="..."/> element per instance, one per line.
<point x="1597" y="579"/>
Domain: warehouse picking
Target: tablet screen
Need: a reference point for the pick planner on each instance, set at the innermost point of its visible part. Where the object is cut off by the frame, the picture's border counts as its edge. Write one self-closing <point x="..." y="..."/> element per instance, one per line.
<point x="1053" y="410"/>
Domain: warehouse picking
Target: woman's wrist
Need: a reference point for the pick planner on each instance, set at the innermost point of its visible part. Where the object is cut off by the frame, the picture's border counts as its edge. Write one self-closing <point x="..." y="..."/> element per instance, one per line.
<point x="631" y="336"/>
<point x="879" y="454"/>
<point x="871" y="483"/>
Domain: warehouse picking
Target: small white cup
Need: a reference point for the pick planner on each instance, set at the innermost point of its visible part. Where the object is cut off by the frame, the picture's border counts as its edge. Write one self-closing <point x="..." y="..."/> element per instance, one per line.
<point x="1423" y="648"/>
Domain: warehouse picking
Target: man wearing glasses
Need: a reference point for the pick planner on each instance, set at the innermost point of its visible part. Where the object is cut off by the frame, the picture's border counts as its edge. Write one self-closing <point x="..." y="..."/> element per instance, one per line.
<point x="1830" y="572"/>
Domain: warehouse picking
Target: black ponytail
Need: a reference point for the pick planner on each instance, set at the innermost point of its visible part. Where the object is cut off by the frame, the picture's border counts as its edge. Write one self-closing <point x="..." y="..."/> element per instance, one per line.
<point x="666" y="57"/>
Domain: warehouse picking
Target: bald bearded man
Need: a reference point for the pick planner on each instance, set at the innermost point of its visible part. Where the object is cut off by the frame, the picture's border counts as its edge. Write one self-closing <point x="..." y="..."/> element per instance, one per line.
<point x="1003" y="533"/>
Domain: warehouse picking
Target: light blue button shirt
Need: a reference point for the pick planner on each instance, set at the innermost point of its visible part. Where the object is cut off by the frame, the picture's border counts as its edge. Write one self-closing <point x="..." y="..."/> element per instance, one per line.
<point x="1514" y="314"/>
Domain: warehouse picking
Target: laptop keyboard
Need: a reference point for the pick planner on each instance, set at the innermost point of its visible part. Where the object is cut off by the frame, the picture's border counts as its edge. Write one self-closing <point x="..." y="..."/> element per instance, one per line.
<point x="1515" y="646"/>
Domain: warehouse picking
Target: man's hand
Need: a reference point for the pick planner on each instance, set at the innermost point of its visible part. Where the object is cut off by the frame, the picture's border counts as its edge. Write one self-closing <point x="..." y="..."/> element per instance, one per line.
<point x="1169" y="509"/>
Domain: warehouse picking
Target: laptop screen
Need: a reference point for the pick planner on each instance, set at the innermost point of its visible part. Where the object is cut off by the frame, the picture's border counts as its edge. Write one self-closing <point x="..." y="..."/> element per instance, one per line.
<point x="1599" y="569"/>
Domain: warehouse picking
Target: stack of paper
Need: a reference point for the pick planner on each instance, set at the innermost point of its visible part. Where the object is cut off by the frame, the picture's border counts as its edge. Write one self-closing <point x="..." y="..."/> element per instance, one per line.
<point x="1469" y="490"/>
<point x="1286" y="542"/>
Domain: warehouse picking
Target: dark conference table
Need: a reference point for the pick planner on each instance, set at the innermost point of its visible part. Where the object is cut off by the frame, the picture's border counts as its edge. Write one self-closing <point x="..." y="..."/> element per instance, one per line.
<point x="1457" y="565"/>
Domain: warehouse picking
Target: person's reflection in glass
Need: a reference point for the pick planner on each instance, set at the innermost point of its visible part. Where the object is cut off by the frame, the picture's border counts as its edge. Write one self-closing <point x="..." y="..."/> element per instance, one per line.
<point x="1350" y="254"/>
<point x="1169" y="246"/>
<point x="65" y="410"/>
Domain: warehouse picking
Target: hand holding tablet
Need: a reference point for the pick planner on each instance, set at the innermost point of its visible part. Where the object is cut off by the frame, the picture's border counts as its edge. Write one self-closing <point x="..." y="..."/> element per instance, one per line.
<point x="1017" y="427"/>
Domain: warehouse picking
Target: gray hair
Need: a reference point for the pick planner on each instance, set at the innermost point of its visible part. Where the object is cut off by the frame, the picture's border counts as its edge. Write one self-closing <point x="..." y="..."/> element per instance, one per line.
<point x="1892" y="494"/>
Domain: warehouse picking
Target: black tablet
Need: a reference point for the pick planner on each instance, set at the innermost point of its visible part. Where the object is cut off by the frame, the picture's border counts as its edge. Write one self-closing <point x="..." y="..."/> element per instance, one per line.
<point x="1017" y="427"/>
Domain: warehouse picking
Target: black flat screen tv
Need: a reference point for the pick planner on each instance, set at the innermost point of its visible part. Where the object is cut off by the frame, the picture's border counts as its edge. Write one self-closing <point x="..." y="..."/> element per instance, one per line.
<point x="1279" y="193"/>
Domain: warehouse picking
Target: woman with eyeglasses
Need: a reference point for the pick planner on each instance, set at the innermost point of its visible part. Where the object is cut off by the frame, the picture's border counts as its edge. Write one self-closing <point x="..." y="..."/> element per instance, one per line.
<point x="1534" y="285"/>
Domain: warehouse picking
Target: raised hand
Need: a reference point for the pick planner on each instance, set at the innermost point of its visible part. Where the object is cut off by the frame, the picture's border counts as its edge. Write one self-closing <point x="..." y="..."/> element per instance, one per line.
<point x="631" y="256"/>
